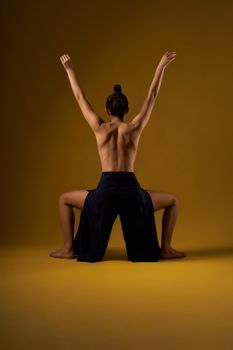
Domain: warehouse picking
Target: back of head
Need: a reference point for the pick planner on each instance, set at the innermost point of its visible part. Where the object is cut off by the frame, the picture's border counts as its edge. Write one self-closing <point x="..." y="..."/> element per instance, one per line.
<point x="117" y="102"/>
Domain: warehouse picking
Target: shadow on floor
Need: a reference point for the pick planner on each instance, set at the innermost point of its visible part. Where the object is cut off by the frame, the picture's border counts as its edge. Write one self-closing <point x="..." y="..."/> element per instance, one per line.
<point x="209" y="253"/>
<point x="118" y="253"/>
<point x="115" y="253"/>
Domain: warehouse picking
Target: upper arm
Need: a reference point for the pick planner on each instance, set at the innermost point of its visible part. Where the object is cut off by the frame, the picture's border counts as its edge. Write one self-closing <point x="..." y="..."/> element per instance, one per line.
<point x="143" y="116"/>
<point x="91" y="117"/>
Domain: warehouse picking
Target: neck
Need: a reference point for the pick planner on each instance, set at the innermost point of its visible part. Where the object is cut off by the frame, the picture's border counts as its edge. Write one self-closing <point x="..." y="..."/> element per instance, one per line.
<point x="115" y="118"/>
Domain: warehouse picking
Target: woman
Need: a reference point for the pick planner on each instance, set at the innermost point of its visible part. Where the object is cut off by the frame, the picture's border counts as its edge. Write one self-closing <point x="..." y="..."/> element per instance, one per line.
<point x="118" y="190"/>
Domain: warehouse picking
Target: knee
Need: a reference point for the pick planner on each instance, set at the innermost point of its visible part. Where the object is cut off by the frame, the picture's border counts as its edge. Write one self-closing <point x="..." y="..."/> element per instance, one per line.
<point x="62" y="197"/>
<point x="175" y="201"/>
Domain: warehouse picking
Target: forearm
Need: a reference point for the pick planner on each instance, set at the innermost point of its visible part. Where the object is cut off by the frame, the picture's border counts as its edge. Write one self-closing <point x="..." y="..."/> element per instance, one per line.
<point x="156" y="82"/>
<point x="77" y="91"/>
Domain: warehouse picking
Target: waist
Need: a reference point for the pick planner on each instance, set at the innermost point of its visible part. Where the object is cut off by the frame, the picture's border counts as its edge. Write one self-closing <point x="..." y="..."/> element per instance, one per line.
<point x="118" y="178"/>
<point x="118" y="174"/>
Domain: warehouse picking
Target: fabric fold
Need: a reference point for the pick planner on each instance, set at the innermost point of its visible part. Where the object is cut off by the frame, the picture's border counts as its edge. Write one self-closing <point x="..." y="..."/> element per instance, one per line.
<point x="117" y="193"/>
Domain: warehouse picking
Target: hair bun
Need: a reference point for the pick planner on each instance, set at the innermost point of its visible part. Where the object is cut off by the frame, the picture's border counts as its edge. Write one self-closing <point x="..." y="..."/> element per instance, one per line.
<point x="117" y="88"/>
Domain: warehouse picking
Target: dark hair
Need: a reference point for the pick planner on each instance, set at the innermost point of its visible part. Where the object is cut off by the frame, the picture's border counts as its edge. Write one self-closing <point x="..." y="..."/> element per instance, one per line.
<point x="117" y="102"/>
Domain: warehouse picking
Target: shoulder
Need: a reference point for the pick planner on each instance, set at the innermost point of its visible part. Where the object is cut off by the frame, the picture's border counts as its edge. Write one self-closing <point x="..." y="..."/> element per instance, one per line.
<point x="109" y="127"/>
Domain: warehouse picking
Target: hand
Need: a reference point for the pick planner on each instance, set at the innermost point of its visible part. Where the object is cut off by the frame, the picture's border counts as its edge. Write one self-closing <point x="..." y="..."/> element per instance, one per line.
<point x="167" y="58"/>
<point x="66" y="61"/>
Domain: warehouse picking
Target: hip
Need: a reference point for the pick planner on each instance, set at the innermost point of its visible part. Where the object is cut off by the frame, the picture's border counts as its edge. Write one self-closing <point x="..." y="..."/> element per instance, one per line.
<point x="117" y="180"/>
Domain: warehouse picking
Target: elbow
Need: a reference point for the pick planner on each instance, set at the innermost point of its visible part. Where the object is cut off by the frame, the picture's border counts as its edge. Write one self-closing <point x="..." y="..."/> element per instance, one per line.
<point x="79" y="94"/>
<point x="152" y="95"/>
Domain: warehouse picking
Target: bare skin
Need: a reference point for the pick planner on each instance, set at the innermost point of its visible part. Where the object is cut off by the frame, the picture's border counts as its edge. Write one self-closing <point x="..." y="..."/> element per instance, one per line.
<point x="117" y="143"/>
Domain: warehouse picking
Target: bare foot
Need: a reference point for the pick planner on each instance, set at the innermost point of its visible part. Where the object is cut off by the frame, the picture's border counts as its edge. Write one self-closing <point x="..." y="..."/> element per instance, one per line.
<point x="63" y="253"/>
<point x="171" y="253"/>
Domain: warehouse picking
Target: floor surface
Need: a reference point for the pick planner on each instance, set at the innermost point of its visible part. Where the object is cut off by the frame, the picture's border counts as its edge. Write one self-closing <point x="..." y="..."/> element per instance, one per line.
<point x="52" y="303"/>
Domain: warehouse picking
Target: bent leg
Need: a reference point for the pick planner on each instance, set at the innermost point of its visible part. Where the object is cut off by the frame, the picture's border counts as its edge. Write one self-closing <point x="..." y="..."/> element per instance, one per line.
<point x="68" y="201"/>
<point x="170" y="203"/>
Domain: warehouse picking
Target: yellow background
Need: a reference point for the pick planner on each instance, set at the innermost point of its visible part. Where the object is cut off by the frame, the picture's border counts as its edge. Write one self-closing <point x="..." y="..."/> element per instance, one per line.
<point x="48" y="148"/>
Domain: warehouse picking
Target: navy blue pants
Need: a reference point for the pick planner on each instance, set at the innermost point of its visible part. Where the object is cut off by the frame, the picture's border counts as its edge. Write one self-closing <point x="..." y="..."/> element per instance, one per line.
<point x="117" y="193"/>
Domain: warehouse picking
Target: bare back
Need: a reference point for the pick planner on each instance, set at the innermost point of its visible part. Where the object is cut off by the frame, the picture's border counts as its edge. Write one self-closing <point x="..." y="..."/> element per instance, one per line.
<point x="117" y="141"/>
<point x="117" y="144"/>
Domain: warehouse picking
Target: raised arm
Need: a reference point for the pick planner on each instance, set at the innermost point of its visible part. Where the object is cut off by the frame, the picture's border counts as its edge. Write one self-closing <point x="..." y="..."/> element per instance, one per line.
<point x="91" y="117"/>
<point x="143" y="116"/>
